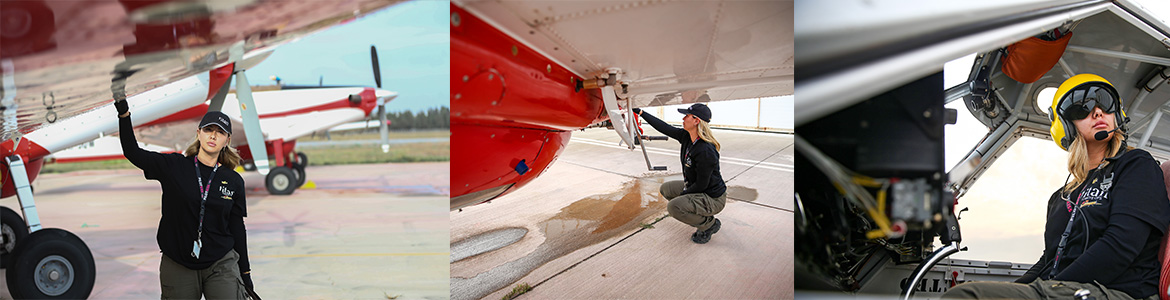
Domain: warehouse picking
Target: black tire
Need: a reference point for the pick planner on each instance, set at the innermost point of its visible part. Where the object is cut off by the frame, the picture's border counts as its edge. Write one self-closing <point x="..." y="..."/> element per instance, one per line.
<point x="281" y="181"/>
<point x="299" y="171"/>
<point x="302" y="159"/>
<point x="48" y="253"/>
<point x="248" y="166"/>
<point x="12" y="231"/>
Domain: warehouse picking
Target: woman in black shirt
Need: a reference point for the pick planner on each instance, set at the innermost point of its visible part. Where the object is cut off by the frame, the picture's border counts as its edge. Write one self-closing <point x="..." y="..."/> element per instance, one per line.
<point x="1104" y="226"/>
<point x="702" y="194"/>
<point x="201" y="233"/>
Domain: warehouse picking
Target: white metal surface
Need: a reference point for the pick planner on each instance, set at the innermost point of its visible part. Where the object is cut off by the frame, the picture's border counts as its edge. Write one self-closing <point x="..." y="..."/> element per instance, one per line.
<point x="251" y="121"/>
<point x="823" y="95"/>
<point x="24" y="192"/>
<point x="144" y="108"/>
<point x="692" y="48"/>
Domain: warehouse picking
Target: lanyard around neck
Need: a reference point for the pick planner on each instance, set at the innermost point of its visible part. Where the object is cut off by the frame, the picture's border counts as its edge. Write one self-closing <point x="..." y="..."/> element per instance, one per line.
<point x="203" y="191"/>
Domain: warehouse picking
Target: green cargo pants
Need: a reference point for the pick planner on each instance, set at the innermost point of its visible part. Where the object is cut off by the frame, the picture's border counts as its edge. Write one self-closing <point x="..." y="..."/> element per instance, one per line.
<point x="219" y="281"/>
<point x="695" y="209"/>
<point x="1039" y="289"/>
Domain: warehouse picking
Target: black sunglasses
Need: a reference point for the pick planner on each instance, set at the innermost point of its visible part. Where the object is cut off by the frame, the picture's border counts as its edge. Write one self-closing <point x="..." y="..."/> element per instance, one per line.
<point x="1079" y="102"/>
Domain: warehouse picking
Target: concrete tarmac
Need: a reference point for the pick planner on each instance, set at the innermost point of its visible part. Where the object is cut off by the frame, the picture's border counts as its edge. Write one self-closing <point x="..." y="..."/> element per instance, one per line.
<point x="377" y="231"/>
<point x="593" y="226"/>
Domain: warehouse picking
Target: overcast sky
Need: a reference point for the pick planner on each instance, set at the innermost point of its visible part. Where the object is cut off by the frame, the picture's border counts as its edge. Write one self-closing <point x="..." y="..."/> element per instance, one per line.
<point x="413" y="42"/>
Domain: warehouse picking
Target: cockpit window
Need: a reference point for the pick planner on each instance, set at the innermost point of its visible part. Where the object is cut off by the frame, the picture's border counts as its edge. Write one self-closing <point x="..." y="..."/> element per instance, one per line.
<point x="1007" y="204"/>
<point x="1044" y="99"/>
<point x="957" y="71"/>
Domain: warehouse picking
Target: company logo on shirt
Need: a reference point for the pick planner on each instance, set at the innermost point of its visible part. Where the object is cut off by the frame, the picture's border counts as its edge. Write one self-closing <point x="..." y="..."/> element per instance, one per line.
<point x="227" y="194"/>
<point x="1093" y="196"/>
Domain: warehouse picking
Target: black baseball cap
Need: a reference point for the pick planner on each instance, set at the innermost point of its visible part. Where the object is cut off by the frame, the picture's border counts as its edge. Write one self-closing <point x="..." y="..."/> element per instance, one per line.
<point x="699" y="110"/>
<point x="218" y="119"/>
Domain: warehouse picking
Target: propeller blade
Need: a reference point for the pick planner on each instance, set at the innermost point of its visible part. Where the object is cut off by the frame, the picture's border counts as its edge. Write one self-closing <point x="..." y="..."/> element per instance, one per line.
<point x="377" y="69"/>
<point x="252" y="132"/>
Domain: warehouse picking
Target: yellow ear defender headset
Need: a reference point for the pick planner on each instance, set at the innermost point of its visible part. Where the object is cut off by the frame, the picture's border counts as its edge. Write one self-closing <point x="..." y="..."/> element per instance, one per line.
<point x="1075" y="100"/>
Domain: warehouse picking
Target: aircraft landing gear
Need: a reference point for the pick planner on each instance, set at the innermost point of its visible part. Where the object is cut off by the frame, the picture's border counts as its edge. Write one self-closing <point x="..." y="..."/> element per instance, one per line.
<point x="302" y="159"/>
<point x="51" y="263"/>
<point x="281" y="180"/>
<point x="48" y="263"/>
<point x="298" y="167"/>
<point x="12" y="230"/>
<point x="299" y="171"/>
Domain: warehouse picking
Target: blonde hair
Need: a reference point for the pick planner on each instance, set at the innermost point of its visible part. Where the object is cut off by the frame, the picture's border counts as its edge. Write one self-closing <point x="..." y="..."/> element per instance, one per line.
<point x="228" y="157"/>
<point x="1078" y="158"/>
<point x="705" y="133"/>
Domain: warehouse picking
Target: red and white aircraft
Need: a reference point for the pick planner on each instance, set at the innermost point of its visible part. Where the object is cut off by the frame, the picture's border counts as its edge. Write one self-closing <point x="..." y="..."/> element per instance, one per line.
<point x="62" y="64"/>
<point x="285" y="115"/>
<point x="525" y="74"/>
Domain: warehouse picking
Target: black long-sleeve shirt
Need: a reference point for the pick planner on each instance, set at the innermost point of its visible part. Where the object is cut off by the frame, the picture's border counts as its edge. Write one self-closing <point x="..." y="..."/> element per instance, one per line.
<point x="226" y="207"/>
<point x="1115" y="237"/>
<point x="699" y="159"/>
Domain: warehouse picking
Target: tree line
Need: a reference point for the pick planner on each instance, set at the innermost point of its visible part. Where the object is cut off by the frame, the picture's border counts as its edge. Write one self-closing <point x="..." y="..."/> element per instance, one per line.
<point x="433" y="118"/>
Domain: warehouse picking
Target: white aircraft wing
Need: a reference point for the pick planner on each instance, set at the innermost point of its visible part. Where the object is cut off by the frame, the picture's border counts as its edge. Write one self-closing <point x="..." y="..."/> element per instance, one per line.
<point x="292" y="127"/>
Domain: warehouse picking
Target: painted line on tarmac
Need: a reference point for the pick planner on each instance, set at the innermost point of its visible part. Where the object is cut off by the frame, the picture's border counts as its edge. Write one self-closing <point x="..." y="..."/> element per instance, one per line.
<point x="351" y="254"/>
<point x="301" y="255"/>
<point x="723" y="159"/>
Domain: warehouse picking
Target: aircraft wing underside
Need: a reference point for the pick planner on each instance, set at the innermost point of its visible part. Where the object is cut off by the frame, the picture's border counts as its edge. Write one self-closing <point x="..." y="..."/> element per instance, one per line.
<point x="725" y="49"/>
<point x="65" y="64"/>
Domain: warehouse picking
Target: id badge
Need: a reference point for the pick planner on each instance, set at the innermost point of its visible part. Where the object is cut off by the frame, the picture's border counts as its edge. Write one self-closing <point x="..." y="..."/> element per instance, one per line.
<point x="195" y="249"/>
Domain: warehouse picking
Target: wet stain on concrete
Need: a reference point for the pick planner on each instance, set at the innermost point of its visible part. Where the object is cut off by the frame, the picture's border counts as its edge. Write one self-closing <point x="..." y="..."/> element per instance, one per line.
<point x="742" y="193"/>
<point x="580" y="224"/>
<point x="601" y="214"/>
<point x="485" y="242"/>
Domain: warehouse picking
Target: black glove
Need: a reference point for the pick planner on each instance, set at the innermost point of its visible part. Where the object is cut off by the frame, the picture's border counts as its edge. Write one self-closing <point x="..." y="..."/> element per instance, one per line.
<point x="249" y="287"/>
<point x="637" y="111"/>
<point x="122" y="107"/>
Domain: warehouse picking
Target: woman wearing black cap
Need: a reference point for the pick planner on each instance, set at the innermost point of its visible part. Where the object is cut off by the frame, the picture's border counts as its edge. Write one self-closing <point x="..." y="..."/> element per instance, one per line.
<point x="695" y="200"/>
<point x="201" y="233"/>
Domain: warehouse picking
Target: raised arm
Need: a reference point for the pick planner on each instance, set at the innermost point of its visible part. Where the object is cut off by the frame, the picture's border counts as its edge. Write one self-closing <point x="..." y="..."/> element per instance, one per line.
<point x="150" y="162"/>
<point x="671" y="131"/>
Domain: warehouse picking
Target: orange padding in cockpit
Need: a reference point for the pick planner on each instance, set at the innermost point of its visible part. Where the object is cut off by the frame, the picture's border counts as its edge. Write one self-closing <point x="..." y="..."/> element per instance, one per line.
<point x="1029" y="59"/>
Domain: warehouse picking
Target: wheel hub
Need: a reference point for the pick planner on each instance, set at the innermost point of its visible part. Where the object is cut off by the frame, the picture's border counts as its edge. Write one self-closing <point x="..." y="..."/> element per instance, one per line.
<point x="280" y="182"/>
<point x="7" y="239"/>
<point x="54" y="275"/>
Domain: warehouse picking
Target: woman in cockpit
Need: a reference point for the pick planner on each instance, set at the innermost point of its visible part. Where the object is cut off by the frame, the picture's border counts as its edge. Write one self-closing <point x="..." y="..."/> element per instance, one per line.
<point x="1104" y="226"/>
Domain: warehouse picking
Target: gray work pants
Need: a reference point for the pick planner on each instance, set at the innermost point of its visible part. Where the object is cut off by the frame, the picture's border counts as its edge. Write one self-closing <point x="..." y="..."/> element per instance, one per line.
<point x="219" y="281"/>
<point x="695" y="209"/>
<point x="1039" y="289"/>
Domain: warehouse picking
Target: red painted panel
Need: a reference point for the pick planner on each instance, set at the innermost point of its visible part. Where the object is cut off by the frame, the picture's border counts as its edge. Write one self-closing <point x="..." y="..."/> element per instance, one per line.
<point x="287" y="147"/>
<point x="498" y="81"/>
<point x="368" y="103"/>
<point x="193" y="113"/>
<point x="32" y="155"/>
<point x="483" y="157"/>
<point x="69" y="160"/>
<point x="218" y="78"/>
